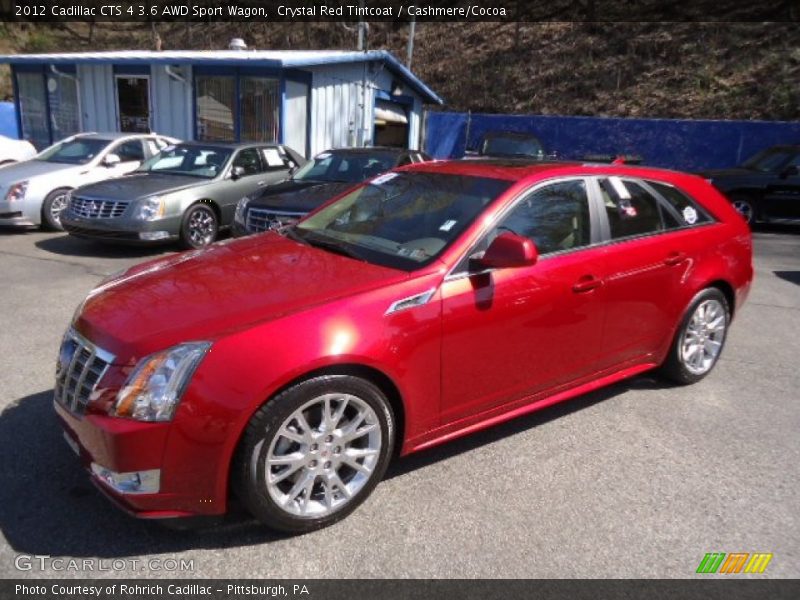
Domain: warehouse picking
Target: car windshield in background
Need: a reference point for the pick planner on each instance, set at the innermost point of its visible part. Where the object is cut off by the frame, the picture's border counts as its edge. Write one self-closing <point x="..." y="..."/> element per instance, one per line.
<point x="345" y="167"/>
<point x="193" y="161"/>
<point x="74" y="152"/>
<point x="768" y="160"/>
<point x="507" y="146"/>
<point x="400" y="220"/>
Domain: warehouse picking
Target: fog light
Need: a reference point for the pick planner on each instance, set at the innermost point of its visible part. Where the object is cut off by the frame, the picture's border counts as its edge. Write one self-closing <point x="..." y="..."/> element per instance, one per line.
<point x="151" y="236"/>
<point x="136" y="482"/>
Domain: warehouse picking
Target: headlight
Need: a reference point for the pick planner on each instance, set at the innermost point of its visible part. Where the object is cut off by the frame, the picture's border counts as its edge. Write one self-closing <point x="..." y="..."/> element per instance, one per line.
<point x="241" y="209"/>
<point x="17" y="191"/>
<point x="150" y="208"/>
<point x="155" y="387"/>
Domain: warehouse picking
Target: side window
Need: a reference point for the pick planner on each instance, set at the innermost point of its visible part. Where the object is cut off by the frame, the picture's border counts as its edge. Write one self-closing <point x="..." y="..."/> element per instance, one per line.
<point x="249" y="160"/>
<point x="630" y="208"/>
<point x="405" y="159"/>
<point x="130" y="151"/>
<point x="273" y="159"/>
<point x="555" y="217"/>
<point x="688" y="212"/>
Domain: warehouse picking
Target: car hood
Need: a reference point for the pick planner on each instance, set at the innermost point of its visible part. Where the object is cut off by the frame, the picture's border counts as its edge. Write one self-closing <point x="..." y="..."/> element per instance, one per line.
<point x="35" y="168"/>
<point x="206" y="294"/>
<point x="299" y="196"/>
<point x="140" y="185"/>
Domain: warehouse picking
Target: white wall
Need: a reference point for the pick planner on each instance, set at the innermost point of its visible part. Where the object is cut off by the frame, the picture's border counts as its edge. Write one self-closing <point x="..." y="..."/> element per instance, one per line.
<point x="171" y="101"/>
<point x="296" y="117"/>
<point x="98" y="102"/>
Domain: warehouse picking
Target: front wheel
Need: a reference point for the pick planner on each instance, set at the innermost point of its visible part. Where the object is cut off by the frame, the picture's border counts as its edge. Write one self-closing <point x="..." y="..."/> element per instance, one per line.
<point x="744" y="206"/>
<point x="313" y="453"/>
<point x="53" y="206"/>
<point x="199" y="227"/>
<point x="700" y="337"/>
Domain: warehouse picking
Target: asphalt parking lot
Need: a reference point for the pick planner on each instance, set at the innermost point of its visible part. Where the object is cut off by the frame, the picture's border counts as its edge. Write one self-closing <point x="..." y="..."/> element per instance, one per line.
<point x="637" y="480"/>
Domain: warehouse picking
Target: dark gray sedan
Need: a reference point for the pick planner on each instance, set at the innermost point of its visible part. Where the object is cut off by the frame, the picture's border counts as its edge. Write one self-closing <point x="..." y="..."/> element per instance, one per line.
<point x="187" y="192"/>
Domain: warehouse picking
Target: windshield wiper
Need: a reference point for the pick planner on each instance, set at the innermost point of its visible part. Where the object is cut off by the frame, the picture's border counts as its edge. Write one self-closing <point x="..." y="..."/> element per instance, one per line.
<point x="332" y="245"/>
<point x="293" y="235"/>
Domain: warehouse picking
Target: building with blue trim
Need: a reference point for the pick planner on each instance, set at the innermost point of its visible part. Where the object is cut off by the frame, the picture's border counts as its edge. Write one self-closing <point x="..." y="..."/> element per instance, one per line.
<point x="309" y="100"/>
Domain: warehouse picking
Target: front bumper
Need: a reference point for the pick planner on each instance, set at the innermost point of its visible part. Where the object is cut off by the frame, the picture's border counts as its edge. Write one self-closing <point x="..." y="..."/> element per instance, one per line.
<point x="109" y="446"/>
<point x="122" y="229"/>
<point x="15" y="214"/>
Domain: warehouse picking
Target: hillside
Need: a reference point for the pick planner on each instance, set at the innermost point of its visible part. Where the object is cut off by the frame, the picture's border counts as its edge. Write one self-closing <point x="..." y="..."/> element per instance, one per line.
<point x="670" y="70"/>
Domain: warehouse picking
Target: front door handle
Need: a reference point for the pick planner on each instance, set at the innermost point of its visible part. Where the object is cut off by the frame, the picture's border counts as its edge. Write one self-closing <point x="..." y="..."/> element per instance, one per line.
<point x="587" y="283"/>
<point x="675" y="258"/>
<point x="262" y="183"/>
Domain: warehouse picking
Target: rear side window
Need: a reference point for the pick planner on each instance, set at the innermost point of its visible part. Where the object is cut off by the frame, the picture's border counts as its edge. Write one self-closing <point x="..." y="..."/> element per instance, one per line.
<point x="687" y="211"/>
<point x="630" y="208"/>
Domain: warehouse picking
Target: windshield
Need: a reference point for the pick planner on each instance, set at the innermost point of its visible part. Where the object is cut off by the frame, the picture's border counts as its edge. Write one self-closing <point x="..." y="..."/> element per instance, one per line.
<point x="768" y="160"/>
<point x="346" y="167"/>
<point x="192" y="161"/>
<point x="400" y="220"/>
<point x="74" y="152"/>
<point x="512" y="146"/>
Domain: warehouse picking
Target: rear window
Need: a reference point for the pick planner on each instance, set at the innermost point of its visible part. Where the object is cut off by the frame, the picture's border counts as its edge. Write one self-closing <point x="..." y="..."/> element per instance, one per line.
<point x="687" y="211"/>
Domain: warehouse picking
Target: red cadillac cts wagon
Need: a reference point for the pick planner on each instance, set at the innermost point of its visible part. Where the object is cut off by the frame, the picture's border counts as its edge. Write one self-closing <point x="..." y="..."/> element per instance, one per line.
<point x="425" y="304"/>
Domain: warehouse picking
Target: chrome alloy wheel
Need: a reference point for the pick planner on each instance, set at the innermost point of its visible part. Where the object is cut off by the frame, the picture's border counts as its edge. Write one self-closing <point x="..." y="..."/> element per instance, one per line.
<point x="201" y="228"/>
<point x="702" y="339"/>
<point x="745" y="209"/>
<point x="57" y="206"/>
<point x="323" y="455"/>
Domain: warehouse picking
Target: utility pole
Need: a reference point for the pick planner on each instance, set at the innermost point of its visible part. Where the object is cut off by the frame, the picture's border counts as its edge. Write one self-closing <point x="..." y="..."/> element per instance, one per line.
<point x="412" y="27"/>
<point x="361" y="27"/>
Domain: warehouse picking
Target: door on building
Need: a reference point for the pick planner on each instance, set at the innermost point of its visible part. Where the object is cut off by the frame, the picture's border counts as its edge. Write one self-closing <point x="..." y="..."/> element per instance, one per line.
<point x="391" y="124"/>
<point x="133" y="103"/>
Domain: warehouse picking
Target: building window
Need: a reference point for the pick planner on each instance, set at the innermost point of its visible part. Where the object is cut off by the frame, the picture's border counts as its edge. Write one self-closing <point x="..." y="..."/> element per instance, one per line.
<point x="259" y="109"/>
<point x="62" y="93"/>
<point x="33" y="109"/>
<point x="215" y="99"/>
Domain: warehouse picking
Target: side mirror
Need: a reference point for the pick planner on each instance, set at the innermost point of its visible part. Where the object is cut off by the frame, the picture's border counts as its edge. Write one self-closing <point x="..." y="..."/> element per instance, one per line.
<point x="237" y="172"/>
<point x="111" y="160"/>
<point x="790" y="171"/>
<point x="508" y="251"/>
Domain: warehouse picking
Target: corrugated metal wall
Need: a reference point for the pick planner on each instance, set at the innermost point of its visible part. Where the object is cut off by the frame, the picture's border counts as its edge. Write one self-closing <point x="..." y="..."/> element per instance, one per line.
<point x="171" y="101"/>
<point x="98" y="102"/>
<point x="295" y="121"/>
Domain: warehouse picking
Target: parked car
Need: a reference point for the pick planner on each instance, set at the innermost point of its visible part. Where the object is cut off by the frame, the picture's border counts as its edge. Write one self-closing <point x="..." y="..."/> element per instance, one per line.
<point x="34" y="192"/>
<point x="764" y="188"/>
<point x="12" y="151"/>
<point x="425" y="304"/>
<point x="327" y="175"/>
<point x="188" y="192"/>
<point x="510" y="144"/>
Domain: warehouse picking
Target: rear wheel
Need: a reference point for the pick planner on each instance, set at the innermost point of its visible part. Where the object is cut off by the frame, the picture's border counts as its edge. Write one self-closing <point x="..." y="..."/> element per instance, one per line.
<point x="52" y="207"/>
<point x="199" y="227"/>
<point x="313" y="453"/>
<point x="700" y="337"/>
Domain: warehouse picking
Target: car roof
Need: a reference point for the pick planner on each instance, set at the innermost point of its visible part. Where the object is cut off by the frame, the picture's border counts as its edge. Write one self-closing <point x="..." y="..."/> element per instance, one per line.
<point x="229" y="145"/>
<point x="111" y="135"/>
<point x="519" y="169"/>
<point x="367" y="150"/>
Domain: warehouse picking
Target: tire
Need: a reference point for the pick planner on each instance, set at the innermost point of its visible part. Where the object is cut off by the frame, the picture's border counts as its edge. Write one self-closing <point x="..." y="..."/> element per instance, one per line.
<point x="199" y="227"/>
<point x="745" y="206"/>
<point x="54" y="204"/>
<point x="700" y="338"/>
<point x="319" y="485"/>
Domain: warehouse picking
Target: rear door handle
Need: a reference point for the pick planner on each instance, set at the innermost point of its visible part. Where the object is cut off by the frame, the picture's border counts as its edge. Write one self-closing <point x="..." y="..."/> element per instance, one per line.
<point x="587" y="283"/>
<point x="675" y="258"/>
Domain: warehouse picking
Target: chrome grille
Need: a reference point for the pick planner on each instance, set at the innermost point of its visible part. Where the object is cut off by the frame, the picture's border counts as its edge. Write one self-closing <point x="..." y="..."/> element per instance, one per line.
<point x="96" y="209"/>
<point x="265" y="219"/>
<point x="80" y="367"/>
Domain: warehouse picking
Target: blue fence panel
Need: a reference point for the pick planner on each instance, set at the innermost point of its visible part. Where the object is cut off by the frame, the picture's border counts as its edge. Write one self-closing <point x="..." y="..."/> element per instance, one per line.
<point x="8" y="120"/>
<point x="670" y="143"/>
